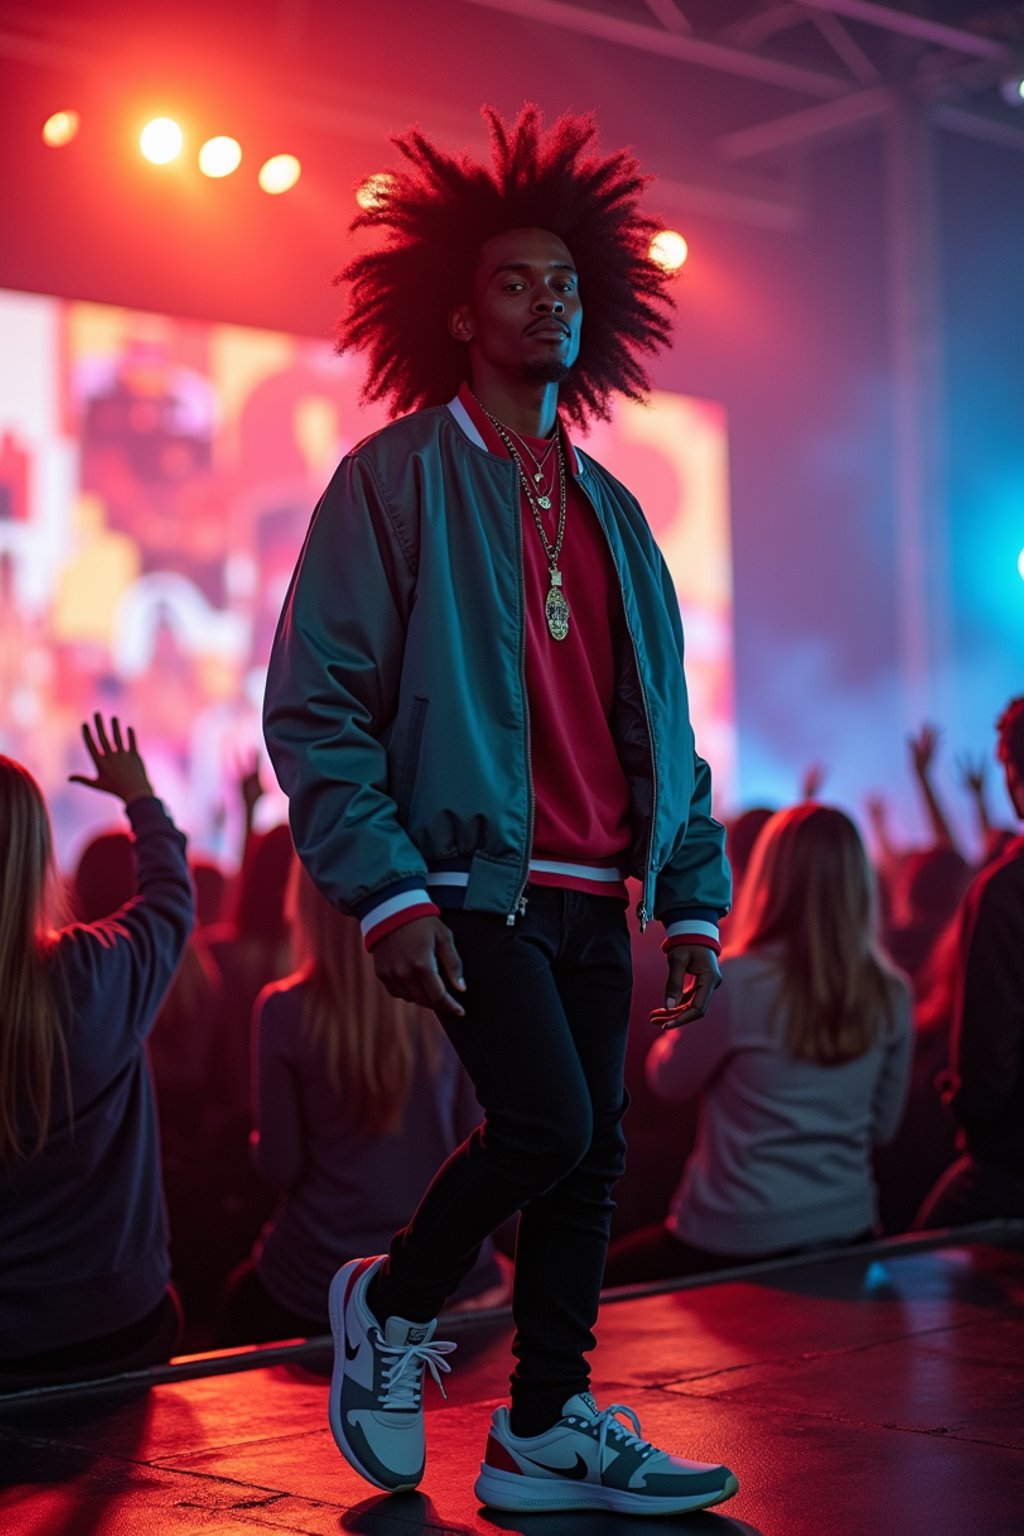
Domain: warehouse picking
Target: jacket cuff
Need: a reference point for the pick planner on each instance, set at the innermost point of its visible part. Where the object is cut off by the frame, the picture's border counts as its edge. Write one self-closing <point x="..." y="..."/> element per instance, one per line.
<point x="695" y="927"/>
<point x="393" y="911"/>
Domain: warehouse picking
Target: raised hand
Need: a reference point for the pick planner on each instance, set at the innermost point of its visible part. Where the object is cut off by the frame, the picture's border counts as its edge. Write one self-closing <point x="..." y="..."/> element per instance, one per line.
<point x="923" y="748"/>
<point x="119" y="768"/>
<point x="878" y="811"/>
<point x="250" y="786"/>
<point x="814" y="777"/>
<point x="972" y="774"/>
<point x="972" y="777"/>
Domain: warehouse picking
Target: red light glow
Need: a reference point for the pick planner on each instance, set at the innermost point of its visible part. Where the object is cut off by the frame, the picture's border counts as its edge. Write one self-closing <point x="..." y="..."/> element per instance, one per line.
<point x="60" y="128"/>
<point x="668" y="250"/>
<point x="374" y="191"/>
<point x="220" y="156"/>
<point x="279" y="174"/>
<point x="161" y="141"/>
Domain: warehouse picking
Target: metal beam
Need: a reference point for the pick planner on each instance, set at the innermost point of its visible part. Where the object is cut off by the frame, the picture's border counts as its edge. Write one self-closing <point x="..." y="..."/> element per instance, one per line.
<point x="751" y="31"/>
<point x="39" y="50"/>
<point x="861" y="67"/>
<point x="907" y="24"/>
<point x="672" y="45"/>
<point x="974" y="126"/>
<point x="763" y="208"/>
<point x="669" y="14"/>
<point x="922" y="533"/>
<point x="818" y="122"/>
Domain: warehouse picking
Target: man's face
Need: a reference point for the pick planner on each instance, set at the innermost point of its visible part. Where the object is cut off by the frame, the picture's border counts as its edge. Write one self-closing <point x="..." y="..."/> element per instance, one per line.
<point x="524" y="319"/>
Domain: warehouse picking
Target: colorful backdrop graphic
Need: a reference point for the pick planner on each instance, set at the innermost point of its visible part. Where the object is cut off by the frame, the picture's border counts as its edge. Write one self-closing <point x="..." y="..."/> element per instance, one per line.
<point x="156" y="479"/>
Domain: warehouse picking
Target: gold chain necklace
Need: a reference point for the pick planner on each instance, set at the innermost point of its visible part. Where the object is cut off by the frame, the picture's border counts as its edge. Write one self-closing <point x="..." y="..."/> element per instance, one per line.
<point x="556" y="608"/>
<point x="543" y="494"/>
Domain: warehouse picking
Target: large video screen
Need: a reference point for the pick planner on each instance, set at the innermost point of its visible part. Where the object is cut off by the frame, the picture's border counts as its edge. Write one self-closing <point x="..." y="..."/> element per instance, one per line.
<point x="156" y="479"/>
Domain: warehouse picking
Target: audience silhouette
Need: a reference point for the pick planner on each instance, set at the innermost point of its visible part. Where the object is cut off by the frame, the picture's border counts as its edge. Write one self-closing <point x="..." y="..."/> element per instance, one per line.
<point x="359" y="1095"/>
<point x="812" y="1107"/>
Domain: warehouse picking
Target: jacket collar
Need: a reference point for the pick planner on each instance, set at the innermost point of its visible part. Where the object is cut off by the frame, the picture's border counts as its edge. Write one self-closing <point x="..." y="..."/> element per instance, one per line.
<point x="473" y="424"/>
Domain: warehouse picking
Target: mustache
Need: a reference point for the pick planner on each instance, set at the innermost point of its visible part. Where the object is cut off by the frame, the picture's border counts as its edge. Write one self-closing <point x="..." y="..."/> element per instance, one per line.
<point x="547" y="320"/>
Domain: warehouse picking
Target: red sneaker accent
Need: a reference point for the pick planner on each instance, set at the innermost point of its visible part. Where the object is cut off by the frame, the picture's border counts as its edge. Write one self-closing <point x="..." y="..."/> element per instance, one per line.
<point x="498" y="1457"/>
<point x="355" y="1276"/>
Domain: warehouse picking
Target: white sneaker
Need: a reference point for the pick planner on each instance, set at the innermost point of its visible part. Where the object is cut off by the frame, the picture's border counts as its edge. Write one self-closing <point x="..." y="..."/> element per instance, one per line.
<point x="376" y="1402"/>
<point x="591" y="1460"/>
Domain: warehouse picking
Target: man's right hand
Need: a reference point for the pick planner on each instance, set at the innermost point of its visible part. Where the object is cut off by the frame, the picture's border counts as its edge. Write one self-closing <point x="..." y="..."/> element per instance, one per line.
<point x="417" y="960"/>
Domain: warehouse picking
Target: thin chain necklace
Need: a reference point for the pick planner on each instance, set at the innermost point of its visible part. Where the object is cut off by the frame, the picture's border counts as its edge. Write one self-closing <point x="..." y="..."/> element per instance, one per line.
<point x="544" y="493"/>
<point x="556" y="608"/>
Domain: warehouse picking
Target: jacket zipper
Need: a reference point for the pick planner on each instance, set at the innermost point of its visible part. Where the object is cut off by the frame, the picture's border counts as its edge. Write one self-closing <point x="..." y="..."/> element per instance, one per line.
<point x="519" y="905"/>
<point x="642" y="913"/>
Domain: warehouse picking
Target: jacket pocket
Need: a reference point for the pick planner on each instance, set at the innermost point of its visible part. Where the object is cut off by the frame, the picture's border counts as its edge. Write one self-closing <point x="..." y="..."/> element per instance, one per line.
<point x="411" y="757"/>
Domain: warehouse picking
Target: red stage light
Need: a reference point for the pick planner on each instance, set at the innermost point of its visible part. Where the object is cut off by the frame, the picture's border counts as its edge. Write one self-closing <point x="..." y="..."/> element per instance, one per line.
<point x="374" y="191"/>
<point x="279" y="173"/>
<point x="668" y="250"/>
<point x="60" y="128"/>
<point x="161" y="141"/>
<point x="220" y="156"/>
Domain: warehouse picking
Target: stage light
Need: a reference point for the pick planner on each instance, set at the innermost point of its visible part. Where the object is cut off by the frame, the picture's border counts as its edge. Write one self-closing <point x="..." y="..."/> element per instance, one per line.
<point x="374" y="191"/>
<point x="220" y="156"/>
<point x="1020" y="564"/>
<point x="1011" y="89"/>
<point x="668" y="250"/>
<point x="279" y="173"/>
<point x="60" y="128"/>
<point x="161" y="141"/>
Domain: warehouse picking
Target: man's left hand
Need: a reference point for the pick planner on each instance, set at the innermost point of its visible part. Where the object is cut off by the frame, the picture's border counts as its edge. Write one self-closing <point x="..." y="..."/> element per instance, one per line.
<point x="698" y="965"/>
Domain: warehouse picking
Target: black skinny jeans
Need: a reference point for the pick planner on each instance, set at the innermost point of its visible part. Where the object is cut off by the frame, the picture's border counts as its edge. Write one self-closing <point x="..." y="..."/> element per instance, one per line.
<point x="544" y="1042"/>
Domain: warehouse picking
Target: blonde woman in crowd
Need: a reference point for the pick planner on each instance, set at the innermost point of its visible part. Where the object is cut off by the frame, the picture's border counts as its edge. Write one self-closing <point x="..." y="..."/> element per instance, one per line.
<point x="801" y="1070"/>
<point x="84" y="1277"/>
<point x="359" y="1098"/>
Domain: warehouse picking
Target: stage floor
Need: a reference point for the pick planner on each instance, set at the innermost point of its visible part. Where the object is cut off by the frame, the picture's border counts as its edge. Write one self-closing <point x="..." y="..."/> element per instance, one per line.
<point x="859" y="1396"/>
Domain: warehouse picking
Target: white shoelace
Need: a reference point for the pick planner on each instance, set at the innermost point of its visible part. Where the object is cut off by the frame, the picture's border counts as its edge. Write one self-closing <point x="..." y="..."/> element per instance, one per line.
<point x="403" y="1374"/>
<point x="609" y="1424"/>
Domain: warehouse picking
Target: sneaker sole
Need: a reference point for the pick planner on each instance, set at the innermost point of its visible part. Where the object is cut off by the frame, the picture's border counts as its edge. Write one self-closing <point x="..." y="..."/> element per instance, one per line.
<point x="337" y="1296"/>
<point x="510" y="1491"/>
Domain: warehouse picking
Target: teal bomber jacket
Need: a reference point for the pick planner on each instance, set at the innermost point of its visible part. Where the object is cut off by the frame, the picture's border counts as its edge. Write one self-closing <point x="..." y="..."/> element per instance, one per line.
<point x="396" y="714"/>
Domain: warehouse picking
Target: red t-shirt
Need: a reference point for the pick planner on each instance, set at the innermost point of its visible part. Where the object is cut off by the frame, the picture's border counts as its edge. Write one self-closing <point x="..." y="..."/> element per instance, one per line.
<point x="582" y="797"/>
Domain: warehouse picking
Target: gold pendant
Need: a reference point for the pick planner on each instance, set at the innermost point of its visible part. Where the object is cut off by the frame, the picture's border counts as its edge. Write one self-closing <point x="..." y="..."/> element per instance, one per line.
<point x="556" y="609"/>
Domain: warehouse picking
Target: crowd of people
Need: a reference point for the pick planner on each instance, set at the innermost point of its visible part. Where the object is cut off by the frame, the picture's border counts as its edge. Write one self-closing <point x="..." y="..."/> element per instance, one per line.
<point x="208" y="1103"/>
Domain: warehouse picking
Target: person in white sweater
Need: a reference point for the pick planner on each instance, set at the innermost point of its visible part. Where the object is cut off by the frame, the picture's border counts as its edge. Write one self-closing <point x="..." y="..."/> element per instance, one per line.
<point x="801" y="1069"/>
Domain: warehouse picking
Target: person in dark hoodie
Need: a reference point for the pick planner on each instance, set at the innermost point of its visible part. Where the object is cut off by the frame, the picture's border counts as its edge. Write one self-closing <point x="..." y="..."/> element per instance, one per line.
<point x="85" y="1279"/>
<point x="984" y="1087"/>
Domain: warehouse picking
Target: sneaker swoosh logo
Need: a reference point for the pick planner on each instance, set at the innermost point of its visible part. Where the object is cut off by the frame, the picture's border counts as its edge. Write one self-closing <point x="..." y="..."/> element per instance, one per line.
<point x="350" y="1350"/>
<point x="580" y="1470"/>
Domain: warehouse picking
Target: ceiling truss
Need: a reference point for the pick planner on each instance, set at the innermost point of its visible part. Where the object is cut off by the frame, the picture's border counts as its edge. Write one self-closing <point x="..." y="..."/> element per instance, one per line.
<point x="946" y="66"/>
<point x="845" y="67"/>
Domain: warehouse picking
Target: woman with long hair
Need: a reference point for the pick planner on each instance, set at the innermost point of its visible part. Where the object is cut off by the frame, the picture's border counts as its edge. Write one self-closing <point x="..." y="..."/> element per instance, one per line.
<point x="84" y="1279"/>
<point x="359" y="1097"/>
<point x="249" y="951"/>
<point x="801" y="1070"/>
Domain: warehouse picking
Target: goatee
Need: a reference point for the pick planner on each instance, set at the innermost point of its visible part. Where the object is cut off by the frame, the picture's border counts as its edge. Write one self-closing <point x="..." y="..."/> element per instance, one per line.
<point x="546" y="372"/>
